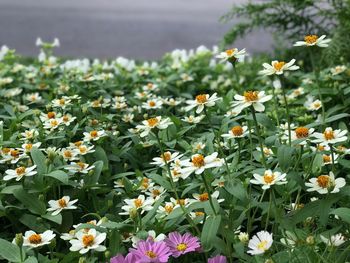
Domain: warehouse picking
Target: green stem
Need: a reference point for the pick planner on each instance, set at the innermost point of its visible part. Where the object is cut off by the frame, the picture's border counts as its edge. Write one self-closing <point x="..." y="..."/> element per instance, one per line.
<point x="259" y="137"/>
<point x="288" y="114"/>
<point x="209" y="193"/>
<point x="332" y="155"/>
<point x="268" y="211"/>
<point x="251" y="220"/>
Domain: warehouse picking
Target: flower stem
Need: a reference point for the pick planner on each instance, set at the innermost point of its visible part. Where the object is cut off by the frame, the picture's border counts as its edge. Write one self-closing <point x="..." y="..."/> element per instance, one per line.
<point x="209" y="192"/>
<point x="287" y="113"/>
<point x="332" y="155"/>
<point x="259" y="137"/>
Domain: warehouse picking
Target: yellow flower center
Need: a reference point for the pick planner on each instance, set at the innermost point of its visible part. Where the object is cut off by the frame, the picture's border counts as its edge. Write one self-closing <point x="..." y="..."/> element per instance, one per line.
<point x="82" y="149"/>
<point x="180" y="201"/>
<point x="65" y="118"/>
<point x="14" y="153"/>
<point x="145" y="183"/>
<point x="168" y="208"/>
<point x="237" y="130"/>
<point x="323" y="181"/>
<point x="67" y="154"/>
<point x="279" y="65"/>
<point x="198" y="160"/>
<point x="199" y="213"/>
<point x="251" y="96"/>
<point x="53" y="123"/>
<point x="310" y="39"/>
<point x="150" y="85"/>
<point x="20" y="170"/>
<point x="181" y="247"/>
<point x="204" y="197"/>
<point x="62" y="203"/>
<point x="35" y="239"/>
<point x="230" y="52"/>
<point x="262" y="245"/>
<point x="202" y="98"/>
<point x="269" y="178"/>
<point x="152" y="122"/>
<point x="93" y="134"/>
<point x="302" y="132"/>
<point x="78" y="143"/>
<point x="88" y="240"/>
<point x="138" y="202"/>
<point x="28" y="146"/>
<point x="81" y="165"/>
<point x="155" y="192"/>
<point x="326" y="158"/>
<point x="62" y="101"/>
<point x="329" y="135"/>
<point x="151" y="254"/>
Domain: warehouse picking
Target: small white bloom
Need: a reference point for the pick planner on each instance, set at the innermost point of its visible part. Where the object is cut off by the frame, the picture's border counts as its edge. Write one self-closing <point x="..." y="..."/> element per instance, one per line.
<point x="88" y="241"/>
<point x="61" y="204"/>
<point x="193" y="120"/>
<point x="325" y="184"/>
<point x="201" y="101"/>
<point x="278" y="67"/>
<point x="139" y="203"/>
<point x="151" y="236"/>
<point x="198" y="163"/>
<point x="32" y="239"/>
<point x="330" y="136"/>
<point x="19" y="173"/>
<point x="313" y="40"/>
<point x="334" y="240"/>
<point x="254" y="98"/>
<point x="338" y="70"/>
<point x="260" y="243"/>
<point x="152" y="104"/>
<point x="149" y="124"/>
<point x="269" y="178"/>
<point x="232" y="55"/>
<point x="236" y="132"/>
<point x="94" y="135"/>
<point x="167" y="157"/>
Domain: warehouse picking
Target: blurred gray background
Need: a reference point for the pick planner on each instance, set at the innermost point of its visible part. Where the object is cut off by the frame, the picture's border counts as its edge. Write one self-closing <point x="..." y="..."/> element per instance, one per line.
<point x="139" y="29"/>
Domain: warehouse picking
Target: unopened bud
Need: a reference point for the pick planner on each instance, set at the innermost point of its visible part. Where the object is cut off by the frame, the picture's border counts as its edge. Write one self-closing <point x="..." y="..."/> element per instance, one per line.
<point x="19" y="239"/>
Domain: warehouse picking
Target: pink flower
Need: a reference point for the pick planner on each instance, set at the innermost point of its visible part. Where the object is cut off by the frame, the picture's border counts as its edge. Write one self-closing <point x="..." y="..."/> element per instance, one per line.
<point x="217" y="259"/>
<point x="120" y="259"/>
<point x="149" y="251"/>
<point x="182" y="244"/>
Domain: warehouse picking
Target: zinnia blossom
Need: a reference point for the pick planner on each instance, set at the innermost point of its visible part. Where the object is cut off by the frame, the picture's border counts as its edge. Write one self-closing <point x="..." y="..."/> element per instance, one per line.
<point x="150" y="251"/>
<point x="182" y="244"/>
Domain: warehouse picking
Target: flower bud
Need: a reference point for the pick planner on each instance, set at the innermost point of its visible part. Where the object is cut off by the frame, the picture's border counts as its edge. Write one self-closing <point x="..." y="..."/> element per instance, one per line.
<point x="19" y="239"/>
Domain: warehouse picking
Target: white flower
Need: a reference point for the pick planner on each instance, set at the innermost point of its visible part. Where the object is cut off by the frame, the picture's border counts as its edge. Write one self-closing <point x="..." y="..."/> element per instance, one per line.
<point x="334" y="240"/>
<point x="167" y="157"/>
<point x="201" y="101"/>
<point x="205" y="197"/>
<point x="79" y="167"/>
<point x="61" y="204"/>
<point x="338" y="70"/>
<point x="139" y="203"/>
<point x="61" y="103"/>
<point x="29" y="134"/>
<point x="198" y="163"/>
<point x="149" y="124"/>
<point x="27" y="147"/>
<point x="88" y="241"/>
<point x="236" y="132"/>
<point x="330" y="136"/>
<point x="255" y="98"/>
<point x="232" y="55"/>
<point x="267" y="151"/>
<point x="152" y="104"/>
<point x="69" y="154"/>
<point x="151" y="236"/>
<point x="156" y="192"/>
<point x="52" y="124"/>
<point x="278" y="67"/>
<point x="300" y="133"/>
<point x="311" y="104"/>
<point x="3" y="52"/>
<point x="94" y="135"/>
<point x="327" y="159"/>
<point x="83" y="149"/>
<point x="269" y="178"/>
<point x="260" y="243"/>
<point x="32" y="239"/>
<point x="325" y="184"/>
<point x="19" y="172"/>
<point x="192" y="119"/>
<point x="313" y="40"/>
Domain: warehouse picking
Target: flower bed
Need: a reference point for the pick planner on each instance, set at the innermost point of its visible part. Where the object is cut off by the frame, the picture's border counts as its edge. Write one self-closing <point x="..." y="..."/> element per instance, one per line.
<point x="188" y="159"/>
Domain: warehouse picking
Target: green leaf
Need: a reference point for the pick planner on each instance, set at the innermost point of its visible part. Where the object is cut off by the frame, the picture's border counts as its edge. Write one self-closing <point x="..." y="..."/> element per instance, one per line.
<point x="30" y="201"/>
<point x="40" y="162"/>
<point x="284" y="156"/>
<point x="210" y="228"/>
<point x="343" y="213"/>
<point x="57" y="218"/>
<point x="9" y="251"/>
<point x="31" y="260"/>
<point x="337" y="117"/>
<point x="101" y="155"/>
<point x="317" y="163"/>
<point x="59" y="175"/>
<point x="97" y="172"/>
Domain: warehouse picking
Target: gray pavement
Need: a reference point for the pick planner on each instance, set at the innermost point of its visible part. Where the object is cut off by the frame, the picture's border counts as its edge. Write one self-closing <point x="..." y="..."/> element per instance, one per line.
<point x="140" y="29"/>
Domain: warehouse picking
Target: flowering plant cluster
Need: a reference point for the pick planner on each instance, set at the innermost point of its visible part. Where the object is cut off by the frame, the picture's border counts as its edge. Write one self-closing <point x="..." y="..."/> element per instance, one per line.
<point x="203" y="156"/>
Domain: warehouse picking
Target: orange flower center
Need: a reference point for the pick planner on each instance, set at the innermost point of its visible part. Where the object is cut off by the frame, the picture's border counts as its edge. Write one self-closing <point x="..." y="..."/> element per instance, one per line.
<point x="251" y="96"/>
<point x="326" y="158"/>
<point x="202" y="98"/>
<point x="323" y="181"/>
<point x="199" y="213"/>
<point x="198" y="160"/>
<point x="28" y="146"/>
<point x="82" y="149"/>
<point x="151" y="103"/>
<point x="81" y="165"/>
<point x="51" y="115"/>
<point x="151" y="254"/>
<point x="62" y="101"/>
<point x="35" y="239"/>
<point x="166" y="156"/>
<point x="67" y="154"/>
<point x="145" y="183"/>
<point x="329" y="135"/>
<point x="88" y="240"/>
<point x="14" y="153"/>
<point x="78" y="143"/>
<point x="152" y="122"/>
<point x="53" y="123"/>
<point x="180" y="201"/>
<point x="20" y="170"/>
<point x="320" y="147"/>
<point x="302" y="132"/>
<point x="65" y="118"/>
<point x="181" y="247"/>
<point x="310" y="39"/>
<point x="269" y="178"/>
<point x="279" y="65"/>
<point x="138" y="202"/>
<point x="62" y="203"/>
<point x="155" y="192"/>
<point x="237" y="130"/>
<point x="93" y="134"/>
<point x="204" y="197"/>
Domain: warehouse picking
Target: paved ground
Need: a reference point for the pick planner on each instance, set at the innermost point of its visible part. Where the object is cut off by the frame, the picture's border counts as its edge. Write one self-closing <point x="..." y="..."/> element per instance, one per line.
<point x="109" y="28"/>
